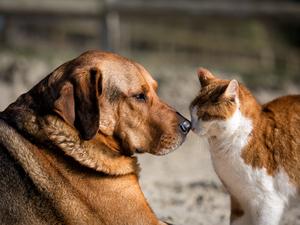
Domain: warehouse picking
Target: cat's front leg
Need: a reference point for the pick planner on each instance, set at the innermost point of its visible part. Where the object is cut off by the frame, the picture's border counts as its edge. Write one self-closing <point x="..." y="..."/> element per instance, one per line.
<point x="236" y="209"/>
<point x="267" y="212"/>
<point x="243" y="220"/>
<point x="238" y="215"/>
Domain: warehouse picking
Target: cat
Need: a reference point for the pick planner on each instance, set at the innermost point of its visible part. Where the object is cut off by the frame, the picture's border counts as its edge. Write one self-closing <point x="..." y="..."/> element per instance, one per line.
<point x="255" y="149"/>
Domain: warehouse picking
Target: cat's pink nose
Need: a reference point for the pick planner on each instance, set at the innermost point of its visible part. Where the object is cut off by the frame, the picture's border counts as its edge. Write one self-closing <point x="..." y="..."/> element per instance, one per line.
<point x="193" y="127"/>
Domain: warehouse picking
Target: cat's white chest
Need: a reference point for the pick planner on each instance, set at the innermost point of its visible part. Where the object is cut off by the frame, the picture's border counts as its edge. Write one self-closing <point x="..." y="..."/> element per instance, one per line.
<point x="226" y="150"/>
<point x="242" y="180"/>
<point x="238" y="177"/>
<point x="261" y="195"/>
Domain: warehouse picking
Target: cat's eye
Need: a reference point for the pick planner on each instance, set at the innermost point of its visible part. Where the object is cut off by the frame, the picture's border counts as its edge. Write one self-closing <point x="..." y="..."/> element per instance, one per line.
<point x="141" y="97"/>
<point x="205" y="117"/>
<point x="232" y="99"/>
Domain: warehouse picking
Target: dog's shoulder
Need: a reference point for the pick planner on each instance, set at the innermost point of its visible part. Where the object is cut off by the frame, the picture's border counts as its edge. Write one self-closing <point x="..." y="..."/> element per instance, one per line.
<point x="20" y="201"/>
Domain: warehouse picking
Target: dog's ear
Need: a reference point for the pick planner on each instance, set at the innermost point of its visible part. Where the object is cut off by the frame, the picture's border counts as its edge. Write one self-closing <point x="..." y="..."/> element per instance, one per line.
<point x="78" y="103"/>
<point x="87" y="90"/>
<point x="64" y="105"/>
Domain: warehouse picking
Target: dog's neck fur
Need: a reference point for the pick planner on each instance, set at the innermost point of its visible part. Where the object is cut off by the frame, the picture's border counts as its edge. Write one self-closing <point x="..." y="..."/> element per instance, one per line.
<point x="66" y="185"/>
<point x="99" y="153"/>
<point x="111" y="179"/>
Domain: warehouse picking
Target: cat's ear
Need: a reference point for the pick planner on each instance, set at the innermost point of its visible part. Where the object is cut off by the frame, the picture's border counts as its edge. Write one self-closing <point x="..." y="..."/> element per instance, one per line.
<point x="232" y="90"/>
<point x="205" y="76"/>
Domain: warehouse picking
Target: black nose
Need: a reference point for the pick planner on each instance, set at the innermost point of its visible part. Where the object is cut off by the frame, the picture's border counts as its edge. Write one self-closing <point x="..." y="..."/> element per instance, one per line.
<point x="185" y="126"/>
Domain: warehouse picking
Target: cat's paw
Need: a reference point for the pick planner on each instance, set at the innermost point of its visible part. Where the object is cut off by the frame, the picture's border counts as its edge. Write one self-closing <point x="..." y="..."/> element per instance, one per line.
<point x="241" y="221"/>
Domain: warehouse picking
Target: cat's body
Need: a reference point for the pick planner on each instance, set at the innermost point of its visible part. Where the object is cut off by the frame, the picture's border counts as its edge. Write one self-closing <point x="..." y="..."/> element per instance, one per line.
<point x="255" y="149"/>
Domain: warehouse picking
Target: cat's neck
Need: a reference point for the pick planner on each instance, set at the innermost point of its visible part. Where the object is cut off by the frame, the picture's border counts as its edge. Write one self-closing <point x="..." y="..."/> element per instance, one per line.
<point x="240" y="127"/>
<point x="228" y="139"/>
<point x="249" y="106"/>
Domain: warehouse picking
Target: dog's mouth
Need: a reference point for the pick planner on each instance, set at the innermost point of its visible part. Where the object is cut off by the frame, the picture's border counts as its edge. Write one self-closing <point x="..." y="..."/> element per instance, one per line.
<point x="140" y="150"/>
<point x="168" y="143"/>
<point x="163" y="145"/>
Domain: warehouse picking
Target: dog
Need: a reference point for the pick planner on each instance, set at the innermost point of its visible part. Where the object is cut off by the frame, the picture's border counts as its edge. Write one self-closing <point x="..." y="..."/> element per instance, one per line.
<point x="67" y="146"/>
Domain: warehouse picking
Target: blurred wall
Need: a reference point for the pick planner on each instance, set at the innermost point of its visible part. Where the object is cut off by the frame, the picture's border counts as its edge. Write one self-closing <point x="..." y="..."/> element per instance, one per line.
<point x="257" y="42"/>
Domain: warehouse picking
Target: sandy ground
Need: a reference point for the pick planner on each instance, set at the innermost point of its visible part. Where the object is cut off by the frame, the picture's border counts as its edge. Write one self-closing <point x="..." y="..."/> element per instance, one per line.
<point x="181" y="187"/>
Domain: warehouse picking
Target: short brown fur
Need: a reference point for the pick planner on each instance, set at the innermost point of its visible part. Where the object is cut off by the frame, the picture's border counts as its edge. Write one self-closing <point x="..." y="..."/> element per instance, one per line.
<point x="276" y="140"/>
<point x="67" y="145"/>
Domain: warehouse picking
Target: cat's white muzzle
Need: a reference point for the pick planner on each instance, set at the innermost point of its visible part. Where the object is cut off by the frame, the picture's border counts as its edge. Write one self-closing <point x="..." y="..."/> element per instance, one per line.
<point x="205" y="128"/>
<point x="198" y="126"/>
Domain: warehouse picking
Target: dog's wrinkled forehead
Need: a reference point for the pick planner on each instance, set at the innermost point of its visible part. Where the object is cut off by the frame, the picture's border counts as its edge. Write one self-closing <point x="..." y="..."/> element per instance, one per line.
<point x="118" y="73"/>
<point x="123" y="75"/>
<point x="126" y="77"/>
<point x="148" y="78"/>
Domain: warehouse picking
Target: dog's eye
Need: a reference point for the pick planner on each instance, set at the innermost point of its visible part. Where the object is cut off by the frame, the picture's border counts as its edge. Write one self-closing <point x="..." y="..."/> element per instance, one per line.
<point x="141" y="97"/>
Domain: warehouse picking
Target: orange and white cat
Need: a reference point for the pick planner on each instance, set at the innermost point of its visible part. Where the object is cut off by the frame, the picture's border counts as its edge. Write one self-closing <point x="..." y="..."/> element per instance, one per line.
<point x="255" y="149"/>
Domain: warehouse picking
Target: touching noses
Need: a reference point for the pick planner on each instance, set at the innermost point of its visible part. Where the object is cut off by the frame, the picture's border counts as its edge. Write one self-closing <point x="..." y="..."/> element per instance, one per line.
<point x="184" y="124"/>
<point x="194" y="119"/>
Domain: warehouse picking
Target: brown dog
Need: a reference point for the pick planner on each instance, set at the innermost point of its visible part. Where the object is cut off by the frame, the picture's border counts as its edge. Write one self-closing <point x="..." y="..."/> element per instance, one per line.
<point x="66" y="146"/>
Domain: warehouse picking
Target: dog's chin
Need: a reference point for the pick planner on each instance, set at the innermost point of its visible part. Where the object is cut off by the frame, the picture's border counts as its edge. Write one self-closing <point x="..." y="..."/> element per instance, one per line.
<point x="163" y="150"/>
<point x="166" y="145"/>
<point x="159" y="152"/>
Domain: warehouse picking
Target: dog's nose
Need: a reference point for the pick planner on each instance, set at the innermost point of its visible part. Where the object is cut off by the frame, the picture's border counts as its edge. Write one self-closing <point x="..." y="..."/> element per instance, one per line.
<point x="185" y="126"/>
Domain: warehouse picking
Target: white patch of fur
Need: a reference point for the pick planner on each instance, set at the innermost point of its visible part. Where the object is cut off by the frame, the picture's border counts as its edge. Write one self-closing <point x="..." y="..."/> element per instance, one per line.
<point x="217" y="128"/>
<point x="261" y="196"/>
<point x="283" y="186"/>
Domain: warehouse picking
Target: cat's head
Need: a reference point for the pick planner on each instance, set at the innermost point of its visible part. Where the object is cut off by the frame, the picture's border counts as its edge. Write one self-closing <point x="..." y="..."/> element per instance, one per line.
<point x="215" y="110"/>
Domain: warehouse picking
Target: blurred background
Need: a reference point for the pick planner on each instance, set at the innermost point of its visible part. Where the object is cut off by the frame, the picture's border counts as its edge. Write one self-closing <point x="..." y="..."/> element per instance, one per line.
<point x="254" y="41"/>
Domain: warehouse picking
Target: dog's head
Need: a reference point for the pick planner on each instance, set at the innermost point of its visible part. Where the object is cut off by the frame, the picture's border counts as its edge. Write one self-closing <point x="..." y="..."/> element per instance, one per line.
<point x="105" y="94"/>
